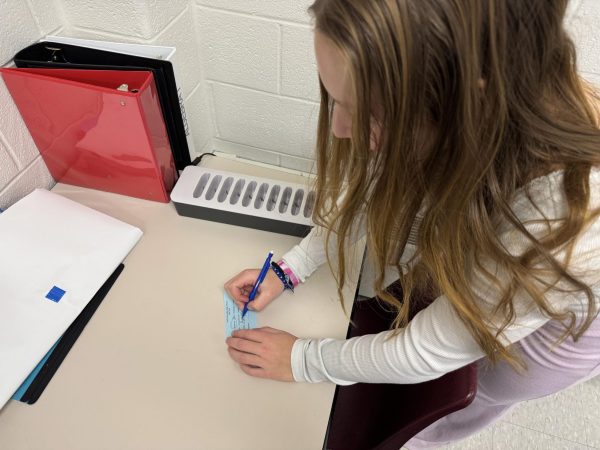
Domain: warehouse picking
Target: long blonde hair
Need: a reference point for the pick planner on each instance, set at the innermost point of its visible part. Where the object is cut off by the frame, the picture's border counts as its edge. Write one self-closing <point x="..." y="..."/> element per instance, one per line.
<point x="478" y="97"/>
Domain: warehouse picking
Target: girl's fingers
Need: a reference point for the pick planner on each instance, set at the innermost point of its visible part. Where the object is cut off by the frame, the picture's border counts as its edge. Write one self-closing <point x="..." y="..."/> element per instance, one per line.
<point x="243" y="358"/>
<point x="254" y="371"/>
<point x="243" y="345"/>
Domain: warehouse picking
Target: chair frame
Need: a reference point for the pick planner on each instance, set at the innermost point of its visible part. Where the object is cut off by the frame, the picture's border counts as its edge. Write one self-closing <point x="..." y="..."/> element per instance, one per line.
<point x="386" y="416"/>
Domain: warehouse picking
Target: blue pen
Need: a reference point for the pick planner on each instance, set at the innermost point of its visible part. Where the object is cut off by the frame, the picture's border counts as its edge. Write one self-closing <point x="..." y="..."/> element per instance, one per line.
<point x="261" y="277"/>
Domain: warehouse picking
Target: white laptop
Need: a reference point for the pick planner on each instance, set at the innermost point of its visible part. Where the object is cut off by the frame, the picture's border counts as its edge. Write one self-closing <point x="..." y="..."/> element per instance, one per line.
<point x="55" y="254"/>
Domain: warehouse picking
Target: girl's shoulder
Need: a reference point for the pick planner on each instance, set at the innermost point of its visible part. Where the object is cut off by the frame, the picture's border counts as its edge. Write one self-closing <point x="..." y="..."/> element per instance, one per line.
<point x="541" y="207"/>
<point x="544" y="197"/>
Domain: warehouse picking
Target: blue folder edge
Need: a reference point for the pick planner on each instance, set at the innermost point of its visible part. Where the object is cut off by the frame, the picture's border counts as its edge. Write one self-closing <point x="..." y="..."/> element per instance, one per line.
<point x="18" y="395"/>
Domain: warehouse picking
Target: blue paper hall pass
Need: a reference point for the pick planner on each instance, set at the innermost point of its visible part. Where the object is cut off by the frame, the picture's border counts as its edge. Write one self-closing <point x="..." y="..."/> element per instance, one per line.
<point x="234" y="319"/>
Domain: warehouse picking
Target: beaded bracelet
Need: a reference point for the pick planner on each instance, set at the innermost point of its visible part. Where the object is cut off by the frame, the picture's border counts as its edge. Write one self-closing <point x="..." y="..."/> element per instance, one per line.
<point x="290" y="273"/>
<point x="285" y="279"/>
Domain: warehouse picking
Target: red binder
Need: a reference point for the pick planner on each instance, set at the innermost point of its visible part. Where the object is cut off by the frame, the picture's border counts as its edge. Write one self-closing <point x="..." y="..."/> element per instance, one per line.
<point x="93" y="135"/>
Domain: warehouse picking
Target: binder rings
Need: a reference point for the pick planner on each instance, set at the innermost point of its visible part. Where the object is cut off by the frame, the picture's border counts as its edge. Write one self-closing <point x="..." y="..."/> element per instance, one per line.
<point x="99" y="129"/>
<point x="66" y="56"/>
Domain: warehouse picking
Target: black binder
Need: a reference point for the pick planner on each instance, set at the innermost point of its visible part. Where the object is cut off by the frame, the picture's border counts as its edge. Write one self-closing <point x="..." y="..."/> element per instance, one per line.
<point x="66" y="56"/>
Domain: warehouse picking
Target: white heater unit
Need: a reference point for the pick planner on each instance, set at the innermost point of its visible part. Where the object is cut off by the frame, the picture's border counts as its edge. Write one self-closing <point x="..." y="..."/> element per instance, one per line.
<point x="246" y="201"/>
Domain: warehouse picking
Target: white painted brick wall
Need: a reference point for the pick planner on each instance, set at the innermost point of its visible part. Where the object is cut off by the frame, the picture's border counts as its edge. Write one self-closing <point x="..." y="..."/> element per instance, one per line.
<point x="267" y="121"/>
<point x="143" y="19"/>
<point x="22" y="22"/>
<point x="260" y="68"/>
<point x="297" y="48"/>
<point x="282" y="10"/>
<point x="246" y="67"/>
<point x="239" y="50"/>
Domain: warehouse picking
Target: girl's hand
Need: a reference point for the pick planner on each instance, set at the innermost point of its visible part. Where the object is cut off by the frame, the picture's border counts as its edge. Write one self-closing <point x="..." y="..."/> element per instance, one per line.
<point x="263" y="352"/>
<point x="240" y="286"/>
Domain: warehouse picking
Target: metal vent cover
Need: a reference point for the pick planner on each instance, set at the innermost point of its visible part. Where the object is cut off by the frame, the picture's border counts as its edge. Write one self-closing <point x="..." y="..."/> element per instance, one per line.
<point x="242" y="200"/>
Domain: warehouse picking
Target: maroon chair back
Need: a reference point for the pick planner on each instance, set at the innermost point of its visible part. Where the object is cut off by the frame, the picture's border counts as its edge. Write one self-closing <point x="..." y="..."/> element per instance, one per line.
<point x="386" y="416"/>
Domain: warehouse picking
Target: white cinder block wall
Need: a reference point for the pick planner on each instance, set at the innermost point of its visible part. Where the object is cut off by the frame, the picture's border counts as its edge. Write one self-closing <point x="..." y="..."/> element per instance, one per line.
<point x="247" y="71"/>
<point x="22" y="169"/>
<point x="261" y="78"/>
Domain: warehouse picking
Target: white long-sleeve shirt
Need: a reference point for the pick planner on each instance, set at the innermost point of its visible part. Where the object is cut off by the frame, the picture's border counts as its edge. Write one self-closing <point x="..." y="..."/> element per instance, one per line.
<point x="436" y="341"/>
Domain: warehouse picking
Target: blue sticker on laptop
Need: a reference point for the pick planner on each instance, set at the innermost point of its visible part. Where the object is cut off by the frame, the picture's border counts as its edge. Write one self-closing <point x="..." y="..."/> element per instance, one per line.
<point x="55" y="294"/>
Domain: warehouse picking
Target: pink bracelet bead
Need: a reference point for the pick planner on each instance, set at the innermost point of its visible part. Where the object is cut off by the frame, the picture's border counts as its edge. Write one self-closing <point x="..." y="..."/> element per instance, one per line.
<point x="289" y="272"/>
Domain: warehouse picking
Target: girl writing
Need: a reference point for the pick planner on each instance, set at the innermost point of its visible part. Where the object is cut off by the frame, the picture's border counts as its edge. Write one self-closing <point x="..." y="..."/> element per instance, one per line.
<point x="457" y="135"/>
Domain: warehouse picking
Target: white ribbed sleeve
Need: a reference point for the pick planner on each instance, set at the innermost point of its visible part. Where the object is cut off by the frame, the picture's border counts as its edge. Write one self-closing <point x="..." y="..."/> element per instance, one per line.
<point x="309" y="254"/>
<point x="436" y="341"/>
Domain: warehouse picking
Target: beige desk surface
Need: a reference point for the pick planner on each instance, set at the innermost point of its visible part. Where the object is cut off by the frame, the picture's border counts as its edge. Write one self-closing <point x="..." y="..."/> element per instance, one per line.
<point x="151" y="370"/>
